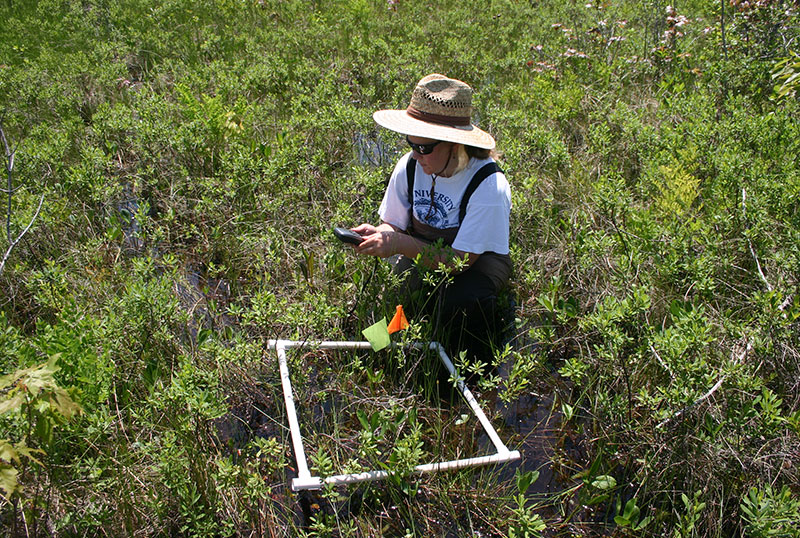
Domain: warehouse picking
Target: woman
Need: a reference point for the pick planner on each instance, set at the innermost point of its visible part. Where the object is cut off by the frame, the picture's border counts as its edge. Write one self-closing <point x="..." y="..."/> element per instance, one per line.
<point x="448" y="188"/>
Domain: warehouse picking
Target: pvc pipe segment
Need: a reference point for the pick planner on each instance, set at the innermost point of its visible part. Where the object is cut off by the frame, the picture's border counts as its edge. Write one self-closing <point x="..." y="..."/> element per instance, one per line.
<point x="304" y="479"/>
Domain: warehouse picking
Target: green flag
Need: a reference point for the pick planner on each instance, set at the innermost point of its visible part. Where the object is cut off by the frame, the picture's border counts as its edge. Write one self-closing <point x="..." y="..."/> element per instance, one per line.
<point x="377" y="335"/>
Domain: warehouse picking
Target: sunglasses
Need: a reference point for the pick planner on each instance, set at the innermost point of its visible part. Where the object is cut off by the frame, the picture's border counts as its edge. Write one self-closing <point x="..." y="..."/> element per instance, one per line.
<point x="423" y="149"/>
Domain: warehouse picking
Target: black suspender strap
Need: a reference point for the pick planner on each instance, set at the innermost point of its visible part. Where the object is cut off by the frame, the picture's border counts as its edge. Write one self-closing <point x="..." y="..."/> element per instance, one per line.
<point x="411" y="168"/>
<point x="485" y="171"/>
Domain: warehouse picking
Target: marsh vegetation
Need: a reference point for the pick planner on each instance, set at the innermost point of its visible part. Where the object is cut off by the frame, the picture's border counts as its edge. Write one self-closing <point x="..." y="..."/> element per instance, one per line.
<point x="172" y="173"/>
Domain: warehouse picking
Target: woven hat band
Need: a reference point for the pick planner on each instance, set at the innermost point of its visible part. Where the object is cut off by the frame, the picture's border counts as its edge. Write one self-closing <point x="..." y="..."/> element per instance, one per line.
<point x="437" y="118"/>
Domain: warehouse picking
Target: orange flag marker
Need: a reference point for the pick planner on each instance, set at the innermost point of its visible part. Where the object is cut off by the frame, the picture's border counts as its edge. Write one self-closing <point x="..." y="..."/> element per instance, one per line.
<point x="399" y="321"/>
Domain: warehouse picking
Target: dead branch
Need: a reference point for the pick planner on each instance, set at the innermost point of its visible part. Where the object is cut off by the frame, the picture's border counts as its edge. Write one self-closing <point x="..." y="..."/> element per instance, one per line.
<point x="9" y="191"/>
<point x="738" y="354"/>
<point x="750" y="244"/>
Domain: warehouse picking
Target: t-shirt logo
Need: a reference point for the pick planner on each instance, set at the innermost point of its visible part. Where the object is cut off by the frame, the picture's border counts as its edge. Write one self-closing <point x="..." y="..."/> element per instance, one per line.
<point x="433" y="212"/>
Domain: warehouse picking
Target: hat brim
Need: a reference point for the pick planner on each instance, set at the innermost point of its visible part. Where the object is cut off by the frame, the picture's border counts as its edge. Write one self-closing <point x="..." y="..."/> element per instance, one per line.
<point x="400" y="122"/>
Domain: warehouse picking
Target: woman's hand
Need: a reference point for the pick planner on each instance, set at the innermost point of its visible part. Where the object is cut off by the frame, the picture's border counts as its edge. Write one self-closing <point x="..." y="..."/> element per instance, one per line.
<point x="378" y="244"/>
<point x="378" y="240"/>
<point x="365" y="229"/>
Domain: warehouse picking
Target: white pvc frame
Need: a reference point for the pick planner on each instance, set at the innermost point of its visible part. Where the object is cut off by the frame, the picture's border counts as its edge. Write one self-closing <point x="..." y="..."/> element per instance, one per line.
<point x="304" y="479"/>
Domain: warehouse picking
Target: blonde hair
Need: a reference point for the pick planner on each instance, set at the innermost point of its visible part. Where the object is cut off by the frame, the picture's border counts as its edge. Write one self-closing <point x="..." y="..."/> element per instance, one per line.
<point x="463" y="154"/>
<point x="461" y="157"/>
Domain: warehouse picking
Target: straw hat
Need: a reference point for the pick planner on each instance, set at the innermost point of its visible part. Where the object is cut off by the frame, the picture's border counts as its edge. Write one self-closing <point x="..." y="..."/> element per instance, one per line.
<point x="440" y="109"/>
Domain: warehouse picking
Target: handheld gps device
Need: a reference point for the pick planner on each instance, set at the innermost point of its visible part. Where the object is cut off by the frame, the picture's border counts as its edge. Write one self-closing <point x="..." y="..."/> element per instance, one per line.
<point x="347" y="236"/>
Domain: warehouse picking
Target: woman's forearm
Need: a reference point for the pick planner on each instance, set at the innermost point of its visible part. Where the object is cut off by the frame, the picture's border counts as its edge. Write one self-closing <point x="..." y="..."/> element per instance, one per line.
<point x="387" y="240"/>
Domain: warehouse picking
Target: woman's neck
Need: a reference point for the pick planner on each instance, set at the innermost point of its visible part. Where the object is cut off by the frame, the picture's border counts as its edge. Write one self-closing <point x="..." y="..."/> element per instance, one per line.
<point x="457" y="161"/>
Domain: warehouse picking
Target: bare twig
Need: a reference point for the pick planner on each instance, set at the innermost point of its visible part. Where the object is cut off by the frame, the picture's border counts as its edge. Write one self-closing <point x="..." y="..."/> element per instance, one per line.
<point x="722" y="29"/>
<point x="662" y="363"/>
<point x="737" y="356"/>
<point x="22" y="233"/>
<point x="9" y="191"/>
<point x="9" y="168"/>
<point x="750" y="244"/>
<point x="761" y="274"/>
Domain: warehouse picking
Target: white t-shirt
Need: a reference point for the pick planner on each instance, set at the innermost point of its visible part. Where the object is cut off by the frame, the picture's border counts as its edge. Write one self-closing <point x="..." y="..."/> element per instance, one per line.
<point x="486" y="224"/>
